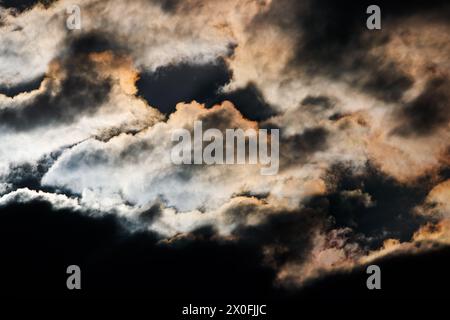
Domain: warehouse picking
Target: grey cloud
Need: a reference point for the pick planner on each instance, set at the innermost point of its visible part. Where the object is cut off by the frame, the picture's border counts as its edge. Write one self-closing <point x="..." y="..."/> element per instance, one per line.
<point x="81" y="92"/>
<point x="428" y="112"/>
<point x="11" y="91"/>
<point x="298" y="148"/>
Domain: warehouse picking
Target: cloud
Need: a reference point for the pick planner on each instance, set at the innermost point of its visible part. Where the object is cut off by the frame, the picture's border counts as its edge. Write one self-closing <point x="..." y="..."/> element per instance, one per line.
<point x="428" y="111"/>
<point x="398" y="271"/>
<point x="116" y="262"/>
<point x="141" y="161"/>
<point x="22" y="87"/>
<point x="22" y="5"/>
<point x="250" y="102"/>
<point x="63" y="103"/>
<point x="137" y="261"/>
<point x="301" y="146"/>
<point x="389" y="211"/>
<point x="86" y="119"/>
<point x="73" y="104"/>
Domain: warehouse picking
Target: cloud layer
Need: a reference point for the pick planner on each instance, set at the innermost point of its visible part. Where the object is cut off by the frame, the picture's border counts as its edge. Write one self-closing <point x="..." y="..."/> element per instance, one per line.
<point x="86" y="118"/>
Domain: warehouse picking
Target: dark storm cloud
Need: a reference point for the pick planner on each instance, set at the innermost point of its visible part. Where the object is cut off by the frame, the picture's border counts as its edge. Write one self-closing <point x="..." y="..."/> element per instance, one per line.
<point x="389" y="213"/>
<point x="403" y="276"/>
<point x="82" y="91"/>
<point x="38" y="243"/>
<point x="184" y="82"/>
<point x="93" y="42"/>
<point x="297" y="148"/>
<point x="22" y="5"/>
<point x="289" y="235"/>
<point x="168" y="5"/>
<point x="428" y="112"/>
<point x="445" y="171"/>
<point x="317" y="102"/>
<point x="387" y="82"/>
<point x="333" y="29"/>
<point x="11" y="91"/>
<point x="249" y="101"/>
<point x="330" y="40"/>
<point x="26" y="175"/>
<point x="152" y="213"/>
<point x="337" y="116"/>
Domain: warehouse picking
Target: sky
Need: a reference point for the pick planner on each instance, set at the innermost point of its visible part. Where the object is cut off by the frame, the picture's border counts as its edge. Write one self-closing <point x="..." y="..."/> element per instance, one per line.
<point x="86" y="118"/>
